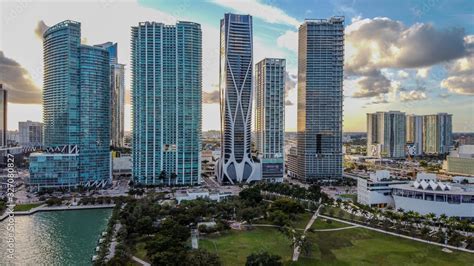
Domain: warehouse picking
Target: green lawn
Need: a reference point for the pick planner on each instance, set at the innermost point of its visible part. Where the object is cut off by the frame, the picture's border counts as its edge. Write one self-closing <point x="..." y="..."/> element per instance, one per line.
<point x="355" y="246"/>
<point x="359" y="246"/>
<point x="323" y="224"/>
<point x="302" y="220"/>
<point x="234" y="247"/>
<point x="26" y="207"/>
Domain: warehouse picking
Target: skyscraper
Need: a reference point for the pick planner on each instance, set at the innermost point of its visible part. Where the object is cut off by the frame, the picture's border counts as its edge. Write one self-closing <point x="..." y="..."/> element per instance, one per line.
<point x="3" y="116"/>
<point x="117" y="95"/>
<point x="270" y="117"/>
<point x="386" y="134"/>
<point x="437" y="133"/>
<point x="166" y="102"/>
<point x="320" y="77"/>
<point x="31" y="133"/>
<point x="236" y="72"/>
<point x="414" y="134"/>
<point x="76" y="112"/>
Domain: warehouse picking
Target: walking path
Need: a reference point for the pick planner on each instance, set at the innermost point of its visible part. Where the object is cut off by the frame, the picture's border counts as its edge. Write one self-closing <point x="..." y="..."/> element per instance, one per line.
<point x="335" y="229"/>
<point x="395" y="234"/>
<point x="142" y="262"/>
<point x="44" y="208"/>
<point x="297" y="249"/>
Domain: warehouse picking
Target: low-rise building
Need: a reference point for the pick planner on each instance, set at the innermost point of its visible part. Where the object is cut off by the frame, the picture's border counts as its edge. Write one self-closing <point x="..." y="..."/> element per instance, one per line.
<point x="375" y="191"/>
<point x="122" y="166"/>
<point x="193" y="194"/>
<point x="435" y="197"/>
<point x="461" y="160"/>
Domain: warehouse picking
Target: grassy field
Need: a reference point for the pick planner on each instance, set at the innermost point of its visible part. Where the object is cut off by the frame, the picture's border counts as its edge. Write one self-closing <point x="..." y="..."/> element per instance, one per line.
<point x="26" y="207"/>
<point x="355" y="246"/>
<point x="358" y="246"/>
<point x="234" y="247"/>
<point x="323" y="224"/>
<point x="302" y="220"/>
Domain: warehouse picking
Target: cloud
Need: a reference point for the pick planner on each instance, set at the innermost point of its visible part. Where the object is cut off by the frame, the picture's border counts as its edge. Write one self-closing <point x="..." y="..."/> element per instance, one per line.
<point x="288" y="40"/>
<point x="17" y="80"/>
<point x="374" y="45"/>
<point x="290" y="84"/>
<point x="41" y="27"/>
<point x="403" y="74"/>
<point x="422" y="72"/>
<point x="372" y="85"/>
<point x="262" y="11"/>
<point x="210" y="97"/>
<point x="413" y="95"/>
<point x="460" y="78"/>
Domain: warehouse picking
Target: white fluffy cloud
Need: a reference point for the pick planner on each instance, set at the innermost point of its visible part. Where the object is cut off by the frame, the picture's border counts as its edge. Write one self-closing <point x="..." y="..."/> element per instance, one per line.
<point x="373" y="45"/>
<point x="289" y="40"/>
<point x="414" y="95"/>
<point x="460" y="78"/>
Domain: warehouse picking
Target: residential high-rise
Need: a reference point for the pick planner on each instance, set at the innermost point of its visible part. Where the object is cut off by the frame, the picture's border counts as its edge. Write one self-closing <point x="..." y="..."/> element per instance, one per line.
<point x="320" y="97"/>
<point x="437" y="133"/>
<point x="3" y="116"/>
<point x="117" y="95"/>
<point x="31" y="133"/>
<point x="414" y="134"/>
<point x="166" y="103"/>
<point x="386" y="134"/>
<point x="270" y="117"/>
<point x="76" y="98"/>
<point x="236" y="73"/>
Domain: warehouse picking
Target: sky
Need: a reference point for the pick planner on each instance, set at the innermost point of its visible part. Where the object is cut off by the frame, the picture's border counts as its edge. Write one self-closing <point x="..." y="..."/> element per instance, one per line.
<point x="412" y="56"/>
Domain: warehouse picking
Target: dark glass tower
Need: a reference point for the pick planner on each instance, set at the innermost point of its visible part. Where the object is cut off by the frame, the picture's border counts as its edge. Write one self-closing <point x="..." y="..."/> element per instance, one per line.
<point x="236" y="73"/>
<point x="320" y="77"/>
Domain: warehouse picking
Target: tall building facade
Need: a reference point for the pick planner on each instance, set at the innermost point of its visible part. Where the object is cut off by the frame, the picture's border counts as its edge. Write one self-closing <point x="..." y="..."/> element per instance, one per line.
<point x="414" y="134"/>
<point x="386" y="134"/>
<point x="320" y="98"/>
<point x="270" y="117"/>
<point x="31" y="133"/>
<point x="117" y="95"/>
<point x="76" y="112"/>
<point x="166" y="103"/>
<point x="3" y="116"/>
<point x="236" y="164"/>
<point x="437" y="133"/>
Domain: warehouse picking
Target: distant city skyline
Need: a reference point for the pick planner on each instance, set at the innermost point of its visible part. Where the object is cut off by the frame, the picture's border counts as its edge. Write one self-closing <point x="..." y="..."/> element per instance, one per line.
<point x="428" y="72"/>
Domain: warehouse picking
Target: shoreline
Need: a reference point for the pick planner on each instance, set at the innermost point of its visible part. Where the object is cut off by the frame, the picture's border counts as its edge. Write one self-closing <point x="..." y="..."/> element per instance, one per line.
<point x="44" y="208"/>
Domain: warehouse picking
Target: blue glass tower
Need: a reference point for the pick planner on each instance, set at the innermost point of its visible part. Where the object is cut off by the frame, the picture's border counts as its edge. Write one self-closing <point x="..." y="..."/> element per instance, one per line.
<point x="76" y="100"/>
<point x="166" y="103"/>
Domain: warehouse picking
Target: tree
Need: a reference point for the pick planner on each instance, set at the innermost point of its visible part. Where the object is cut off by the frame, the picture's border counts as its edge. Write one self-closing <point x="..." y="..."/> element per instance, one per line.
<point x="279" y="218"/>
<point x="173" y="177"/>
<point x="251" y="195"/>
<point x="162" y="175"/>
<point x="263" y="259"/>
<point x="201" y="257"/>
<point x="248" y="214"/>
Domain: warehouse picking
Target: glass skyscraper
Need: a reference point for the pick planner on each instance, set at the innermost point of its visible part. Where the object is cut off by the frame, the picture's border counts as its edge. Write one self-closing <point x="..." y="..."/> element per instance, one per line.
<point x="76" y="116"/>
<point x="320" y="97"/>
<point x="437" y="133"/>
<point x="236" y="74"/>
<point x="166" y="103"/>
<point x="270" y="117"/>
<point x="386" y="134"/>
<point x="117" y="95"/>
<point x="3" y="116"/>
